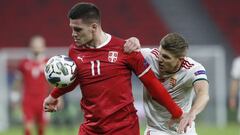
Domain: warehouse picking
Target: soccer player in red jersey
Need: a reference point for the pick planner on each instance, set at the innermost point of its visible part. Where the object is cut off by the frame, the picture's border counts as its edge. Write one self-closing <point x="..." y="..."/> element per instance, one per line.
<point x="35" y="86"/>
<point x="104" y="74"/>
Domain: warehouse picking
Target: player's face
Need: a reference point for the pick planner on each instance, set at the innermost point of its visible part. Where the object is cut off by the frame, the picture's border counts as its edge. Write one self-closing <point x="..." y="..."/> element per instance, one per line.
<point x="82" y="33"/>
<point x="167" y="62"/>
<point x="37" y="45"/>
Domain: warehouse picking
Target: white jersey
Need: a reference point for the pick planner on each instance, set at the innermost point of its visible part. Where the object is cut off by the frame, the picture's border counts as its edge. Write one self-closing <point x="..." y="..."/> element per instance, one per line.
<point x="179" y="86"/>
<point x="235" y="74"/>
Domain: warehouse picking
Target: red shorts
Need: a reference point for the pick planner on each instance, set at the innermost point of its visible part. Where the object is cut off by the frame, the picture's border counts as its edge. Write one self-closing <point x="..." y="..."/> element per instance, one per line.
<point x="121" y="123"/>
<point x="33" y="112"/>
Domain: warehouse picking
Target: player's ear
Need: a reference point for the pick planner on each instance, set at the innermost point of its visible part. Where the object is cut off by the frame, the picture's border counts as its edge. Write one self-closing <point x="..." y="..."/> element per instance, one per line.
<point x="94" y="27"/>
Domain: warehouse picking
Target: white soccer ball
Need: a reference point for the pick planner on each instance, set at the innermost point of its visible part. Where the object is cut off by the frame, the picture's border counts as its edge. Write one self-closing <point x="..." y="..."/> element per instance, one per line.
<point x="60" y="71"/>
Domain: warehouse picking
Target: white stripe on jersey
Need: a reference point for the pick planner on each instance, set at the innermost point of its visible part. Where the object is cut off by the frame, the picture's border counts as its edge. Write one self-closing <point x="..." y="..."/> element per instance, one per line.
<point x="144" y="72"/>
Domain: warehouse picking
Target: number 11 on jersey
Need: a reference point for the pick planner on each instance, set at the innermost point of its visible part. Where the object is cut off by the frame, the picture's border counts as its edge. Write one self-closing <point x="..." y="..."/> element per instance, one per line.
<point x="95" y="65"/>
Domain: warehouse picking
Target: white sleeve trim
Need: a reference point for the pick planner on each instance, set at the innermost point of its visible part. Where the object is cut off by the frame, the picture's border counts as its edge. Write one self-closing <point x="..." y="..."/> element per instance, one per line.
<point x="144" y="72"/>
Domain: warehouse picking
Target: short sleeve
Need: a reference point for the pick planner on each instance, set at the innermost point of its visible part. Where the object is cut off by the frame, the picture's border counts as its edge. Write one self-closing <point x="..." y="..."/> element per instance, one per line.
<point x="198" y="73"/>
<point x="150" y="54"/>
<point x="137" y="63"/>
<point x="235" y="71"/>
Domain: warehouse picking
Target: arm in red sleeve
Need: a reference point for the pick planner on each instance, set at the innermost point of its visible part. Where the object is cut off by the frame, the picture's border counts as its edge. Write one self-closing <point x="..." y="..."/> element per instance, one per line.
<point x="160" y="94"/>
<point x="57" y="92"/>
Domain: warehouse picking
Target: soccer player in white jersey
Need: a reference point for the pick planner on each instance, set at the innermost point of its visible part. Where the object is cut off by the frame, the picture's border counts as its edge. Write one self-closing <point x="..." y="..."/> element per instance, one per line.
<point x="234" y="86"/>
<point x="184" y="78"/>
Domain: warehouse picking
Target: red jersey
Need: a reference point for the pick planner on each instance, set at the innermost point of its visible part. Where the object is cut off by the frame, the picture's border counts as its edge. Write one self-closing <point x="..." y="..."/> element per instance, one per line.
<point x="35" y="86"/>
<point x="105" y="79"/>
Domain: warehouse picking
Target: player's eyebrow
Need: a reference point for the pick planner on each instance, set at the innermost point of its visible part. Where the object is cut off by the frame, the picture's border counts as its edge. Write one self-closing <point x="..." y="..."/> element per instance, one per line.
<point x="77" y="29"/>
<point x="165" y="56"/>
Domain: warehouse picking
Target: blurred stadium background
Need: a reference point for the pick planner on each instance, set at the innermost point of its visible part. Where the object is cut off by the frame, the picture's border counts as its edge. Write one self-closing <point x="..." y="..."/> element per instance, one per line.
<point x="212" y="28"/>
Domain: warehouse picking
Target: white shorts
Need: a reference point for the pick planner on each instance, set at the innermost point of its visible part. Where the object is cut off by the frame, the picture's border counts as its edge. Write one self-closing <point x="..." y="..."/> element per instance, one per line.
<point x="153" y="131"/>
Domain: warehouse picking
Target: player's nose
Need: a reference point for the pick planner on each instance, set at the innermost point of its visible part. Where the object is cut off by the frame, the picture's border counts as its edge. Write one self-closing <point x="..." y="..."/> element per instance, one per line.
<point x="74" y="34"/>
<point x="160" y="59"/>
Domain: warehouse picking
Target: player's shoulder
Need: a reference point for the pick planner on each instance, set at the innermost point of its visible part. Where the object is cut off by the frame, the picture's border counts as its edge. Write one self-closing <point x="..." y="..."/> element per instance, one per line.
<point x="46" y="59"/>
<point x="117" y="39"/>
<point x="192" y="68"/>
<point x="237" y="60"/>
<point x="24" y="61"/>
<point x="150" y="53"/>
<point x="189" y="63"/>
<point x="192" y="65"/>
<point x="116" y="45"/>
<point x="116" y="42"/>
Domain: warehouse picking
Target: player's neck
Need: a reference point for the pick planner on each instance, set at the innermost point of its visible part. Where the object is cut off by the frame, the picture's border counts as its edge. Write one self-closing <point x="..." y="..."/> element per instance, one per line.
<point x="178" y="67"/>
<point x="100" y="38"/>
<point x="38" y="57"/>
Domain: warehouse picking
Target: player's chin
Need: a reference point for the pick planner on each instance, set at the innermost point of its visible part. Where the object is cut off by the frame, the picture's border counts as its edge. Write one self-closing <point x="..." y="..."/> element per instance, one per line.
<point x="79" y="44"/>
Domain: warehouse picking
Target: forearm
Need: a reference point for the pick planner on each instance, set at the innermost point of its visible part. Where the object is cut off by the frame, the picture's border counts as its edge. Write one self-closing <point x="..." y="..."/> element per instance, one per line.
<point x="160" y="94"/>
<point x="200" y="103"/>
<point x="57" y="92"/>
<point x="202" y="96"/>
<point x="233" y="89"/>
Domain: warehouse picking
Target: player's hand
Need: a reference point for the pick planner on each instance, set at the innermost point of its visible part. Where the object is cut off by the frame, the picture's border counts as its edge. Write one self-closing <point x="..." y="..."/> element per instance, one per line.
<point x="185" y="122"/>
<point x="132" y="44"/>
<point x="172" y="122"/>
<point x="50" y="104"/>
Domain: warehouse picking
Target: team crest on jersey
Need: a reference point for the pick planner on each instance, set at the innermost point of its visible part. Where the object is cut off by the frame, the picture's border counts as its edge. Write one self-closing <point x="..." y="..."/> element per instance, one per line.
<point x="173" y="81"/>
<point x="112" y="56"/>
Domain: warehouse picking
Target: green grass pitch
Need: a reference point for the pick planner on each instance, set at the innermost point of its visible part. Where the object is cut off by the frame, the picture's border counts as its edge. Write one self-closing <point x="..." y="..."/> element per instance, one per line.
<point x="231" y="129"/>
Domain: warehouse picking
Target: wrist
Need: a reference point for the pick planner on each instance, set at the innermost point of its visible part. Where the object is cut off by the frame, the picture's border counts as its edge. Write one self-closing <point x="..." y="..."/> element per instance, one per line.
<point x="52" y="98"/>
<point x="192" y="112"/>
<point x="177" y="114"/>
<point x="55" y="93"/>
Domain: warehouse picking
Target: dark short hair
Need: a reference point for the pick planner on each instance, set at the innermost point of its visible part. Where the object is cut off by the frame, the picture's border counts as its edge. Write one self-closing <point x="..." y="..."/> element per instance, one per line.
<point x="88" y="12"/>
<point x="175" y="44"/>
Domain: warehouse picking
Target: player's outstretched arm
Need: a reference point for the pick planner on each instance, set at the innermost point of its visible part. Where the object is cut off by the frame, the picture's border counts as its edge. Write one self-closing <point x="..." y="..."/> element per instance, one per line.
<point x="160" y="94"/>
<point x="233" y="92"/>
<point x="202" y="98"/>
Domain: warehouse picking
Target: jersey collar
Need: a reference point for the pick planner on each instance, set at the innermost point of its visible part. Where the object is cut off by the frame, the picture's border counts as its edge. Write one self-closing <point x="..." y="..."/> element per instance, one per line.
<point x="105" y="42"/>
